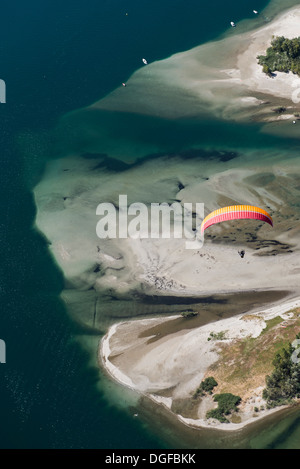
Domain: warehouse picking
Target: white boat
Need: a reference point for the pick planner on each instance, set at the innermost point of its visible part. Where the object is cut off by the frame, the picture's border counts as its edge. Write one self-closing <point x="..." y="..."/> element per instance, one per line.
<point x="232" y="24"/>
<point x="255" y="12"/>
<point x="144" y="61"/>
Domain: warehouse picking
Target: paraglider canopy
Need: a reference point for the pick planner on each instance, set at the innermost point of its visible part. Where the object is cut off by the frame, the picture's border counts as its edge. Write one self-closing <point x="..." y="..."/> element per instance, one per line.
<point x="236" y="212"/>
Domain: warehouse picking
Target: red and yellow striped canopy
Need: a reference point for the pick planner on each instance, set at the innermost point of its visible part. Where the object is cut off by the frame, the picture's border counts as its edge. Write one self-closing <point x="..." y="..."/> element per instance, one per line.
<point x="236" y="212"/>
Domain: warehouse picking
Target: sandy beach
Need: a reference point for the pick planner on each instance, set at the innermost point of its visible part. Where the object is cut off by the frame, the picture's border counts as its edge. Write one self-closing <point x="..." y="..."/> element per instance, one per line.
<point x="169" y="368"/>
<point x="283" y="85"/>
<point x="111" y="281"/>
<point x="165" y="266"/>
<point x="221" y="78"/>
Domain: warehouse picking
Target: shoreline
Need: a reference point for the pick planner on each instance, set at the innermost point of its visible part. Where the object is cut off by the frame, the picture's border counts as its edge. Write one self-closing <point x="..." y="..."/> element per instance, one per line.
<point x="221" y="78"/>
<point x="108" y="351"/>
<point x="71" y="189"/>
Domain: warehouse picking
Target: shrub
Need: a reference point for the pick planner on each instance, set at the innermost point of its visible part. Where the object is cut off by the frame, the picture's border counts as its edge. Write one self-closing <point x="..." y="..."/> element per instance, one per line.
<point x="189" y="314"/>
<point x="217" y="414"/>
<point x="227" y="403"/>
<point x="284" y="383"/>
<point x="266" y="69"/>
<point x="217" y="335"/>
<point x="206" y="386"/>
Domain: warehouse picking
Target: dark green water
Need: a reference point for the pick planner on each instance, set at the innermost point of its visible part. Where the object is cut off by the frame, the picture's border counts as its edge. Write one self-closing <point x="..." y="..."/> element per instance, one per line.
<point x="58" y="57"/>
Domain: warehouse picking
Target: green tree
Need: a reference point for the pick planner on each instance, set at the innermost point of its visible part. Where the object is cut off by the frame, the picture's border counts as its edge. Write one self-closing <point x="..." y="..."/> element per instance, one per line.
<point x="266" y="69"/>
<point x="206" y="386"/>
<point x="227" y="403"/>
<point x="283" y="384"/>
<point x="282" y="56"/>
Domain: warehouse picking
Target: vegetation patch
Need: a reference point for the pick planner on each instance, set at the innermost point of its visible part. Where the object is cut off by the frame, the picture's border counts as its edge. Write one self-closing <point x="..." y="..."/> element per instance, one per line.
<point x="235" y="418"/>
<point x="206" y="386"/>
<point x="245" y="363"/>
<point x="251" y="317"/>
<point x="282" y="56"/>
<point x="227" y="404"/>
<point x="189" y="314"/>
<point x="283" y="384"/>
<point x="272" y="323"/>
<point x="217" y="335"/>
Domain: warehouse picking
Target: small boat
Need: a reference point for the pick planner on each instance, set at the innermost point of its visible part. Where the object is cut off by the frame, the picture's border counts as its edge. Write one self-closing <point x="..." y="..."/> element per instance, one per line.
<point x="255" y="12"/>
<point x="144" y="61"/>
<point x="124" y="84"/>
<point x="232" y="24"/>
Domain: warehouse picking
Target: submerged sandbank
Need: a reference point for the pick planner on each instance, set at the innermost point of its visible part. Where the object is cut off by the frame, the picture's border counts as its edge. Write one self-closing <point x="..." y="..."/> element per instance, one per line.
<point x="219" y="79"/>
<point x="127" y="274"/>
<point x="73" y="187"/>
<point x="169" y="369"/>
